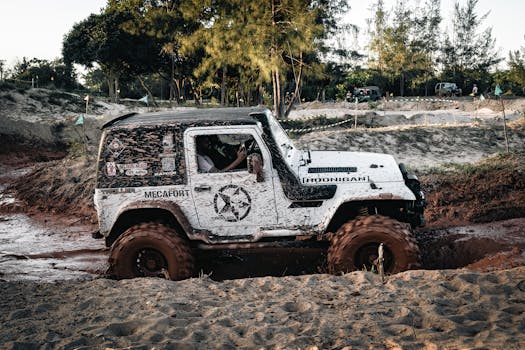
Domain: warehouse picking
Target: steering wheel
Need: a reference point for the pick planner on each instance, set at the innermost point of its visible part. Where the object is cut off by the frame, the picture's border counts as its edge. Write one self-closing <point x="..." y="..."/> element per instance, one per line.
<point x="252" y="147"/>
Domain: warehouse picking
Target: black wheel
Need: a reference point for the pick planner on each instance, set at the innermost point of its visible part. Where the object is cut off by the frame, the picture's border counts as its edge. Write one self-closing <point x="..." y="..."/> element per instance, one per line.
<point x="355" y="246"/>
<point x="151" y="250"/>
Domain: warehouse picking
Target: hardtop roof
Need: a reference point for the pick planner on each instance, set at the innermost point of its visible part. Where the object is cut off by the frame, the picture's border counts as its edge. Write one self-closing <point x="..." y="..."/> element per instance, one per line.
<point x="189" y="116"/>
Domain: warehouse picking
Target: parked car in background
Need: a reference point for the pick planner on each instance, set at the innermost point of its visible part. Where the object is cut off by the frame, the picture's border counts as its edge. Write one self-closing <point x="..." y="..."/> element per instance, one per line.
<point x="447" y="89"/>
<point x="364" y="94"/>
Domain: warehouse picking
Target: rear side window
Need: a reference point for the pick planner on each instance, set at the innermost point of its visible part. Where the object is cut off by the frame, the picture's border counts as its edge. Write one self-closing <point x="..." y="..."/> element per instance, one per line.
<point x="145" y="156"/>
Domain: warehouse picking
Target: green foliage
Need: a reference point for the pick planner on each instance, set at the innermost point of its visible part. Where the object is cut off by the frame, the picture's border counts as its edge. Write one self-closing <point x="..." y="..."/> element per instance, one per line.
<point x="44" y="73"/>
<point x="106" y="39"/>
<point x="404" y="48"/>
<point x="516" y="73"/>
<point x="469" y="55"/>
<point x="507" y="80"/>
<point x="406" y="51"/>
<point x="248" y="45"/>
<point x="373" y="104"/>
<point x="246" y="52"/>
<point x="7" y="86"/>
<point x="358" y="77"/>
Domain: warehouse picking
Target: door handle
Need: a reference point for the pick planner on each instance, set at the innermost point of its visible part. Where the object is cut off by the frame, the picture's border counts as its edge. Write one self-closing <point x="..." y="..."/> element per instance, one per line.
<point x="201" y="188"/>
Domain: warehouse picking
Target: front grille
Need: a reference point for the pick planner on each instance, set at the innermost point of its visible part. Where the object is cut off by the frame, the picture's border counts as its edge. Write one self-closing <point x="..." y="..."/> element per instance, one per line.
<point x="351" y="169"/>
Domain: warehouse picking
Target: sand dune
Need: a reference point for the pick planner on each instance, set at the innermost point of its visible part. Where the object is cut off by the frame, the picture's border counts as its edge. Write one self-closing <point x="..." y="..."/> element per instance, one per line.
<point x="447" y="309"/>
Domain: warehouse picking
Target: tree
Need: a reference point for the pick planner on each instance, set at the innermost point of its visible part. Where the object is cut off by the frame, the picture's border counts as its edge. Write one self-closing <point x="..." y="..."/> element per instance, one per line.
<point x="426" y="40"/>
<point x="2" y="63"/>
<point x="45" y="73"/>
<point x="404" y="42"/>
<point x="259" y="43"/>
<point x="469" y="54"/>
<point x="517" y="68"/>
<point x="391" y="43"/>
<point x="103" y="39"/>
<point x="97" y="39"/>
<point x="160" y="25"/>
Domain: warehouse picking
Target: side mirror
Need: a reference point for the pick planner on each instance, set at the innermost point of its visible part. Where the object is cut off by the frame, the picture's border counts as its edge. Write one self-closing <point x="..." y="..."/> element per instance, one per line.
<point x="255" y="166"/>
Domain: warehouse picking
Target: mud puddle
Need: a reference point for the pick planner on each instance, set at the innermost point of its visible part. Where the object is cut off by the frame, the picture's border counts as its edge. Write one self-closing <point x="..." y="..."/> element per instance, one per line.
<point x="46" y="251"/>
<point x="462" y="246"/>
<point x="56" y="250"/>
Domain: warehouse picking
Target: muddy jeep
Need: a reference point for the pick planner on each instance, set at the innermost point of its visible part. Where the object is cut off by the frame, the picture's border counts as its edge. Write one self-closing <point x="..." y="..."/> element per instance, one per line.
<point x="156" y="209"/>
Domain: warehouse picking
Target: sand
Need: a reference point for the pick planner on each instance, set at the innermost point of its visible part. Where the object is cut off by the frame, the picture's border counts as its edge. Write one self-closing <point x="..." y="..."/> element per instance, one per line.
<point x="448" y="309"/>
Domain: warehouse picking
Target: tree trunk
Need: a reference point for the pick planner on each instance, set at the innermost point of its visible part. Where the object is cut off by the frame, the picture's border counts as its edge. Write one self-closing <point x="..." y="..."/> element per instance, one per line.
<point x="117" y="90"/>
<point x="277" y="93"/>
<point x="111" y="85"/>
<point x="298" y="80"/>
<point x="223" y="87"/>
<point x="274" y="90"/>
<point x="145" y="87"/>
<point x="197" y="97"/>
<point x="183" y="90"/>
<point x="178" y="89"/>
<point x="172" y="79"/>
<point x="402" y="84"/>
<point x="261" y="95"/>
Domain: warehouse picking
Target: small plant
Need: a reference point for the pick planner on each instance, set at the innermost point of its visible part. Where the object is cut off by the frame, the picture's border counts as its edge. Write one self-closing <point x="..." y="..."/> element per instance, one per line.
<point x="7" y="86"/>
<point x="373" y="104"/>
<point x="372" y="269"/>
<point x="76" y="148"/>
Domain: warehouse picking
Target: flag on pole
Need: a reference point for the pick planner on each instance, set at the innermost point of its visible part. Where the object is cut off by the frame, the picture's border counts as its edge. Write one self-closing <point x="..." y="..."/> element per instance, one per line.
<point x="80" y="120"/>
<point x="87" y="102"/>
<point x="497" y="90"/>
<point x="144" y="99"/>
<point x="481" y="97"/>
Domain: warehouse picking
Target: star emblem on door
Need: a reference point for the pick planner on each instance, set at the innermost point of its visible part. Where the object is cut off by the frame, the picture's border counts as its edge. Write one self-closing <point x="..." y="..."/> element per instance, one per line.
<point x="232" y="203"/>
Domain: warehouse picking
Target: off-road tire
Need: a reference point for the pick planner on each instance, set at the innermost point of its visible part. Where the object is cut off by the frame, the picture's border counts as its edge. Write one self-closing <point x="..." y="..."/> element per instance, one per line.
<point x="356" y="241"/>
<point x="169" y="253"/>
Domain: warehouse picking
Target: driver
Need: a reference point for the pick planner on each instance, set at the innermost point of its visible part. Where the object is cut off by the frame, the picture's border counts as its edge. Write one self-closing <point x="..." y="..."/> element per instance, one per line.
<point x="206" y="164"/>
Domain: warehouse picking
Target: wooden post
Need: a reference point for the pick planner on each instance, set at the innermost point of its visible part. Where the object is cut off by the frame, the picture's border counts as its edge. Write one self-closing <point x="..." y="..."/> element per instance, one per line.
<point x="355" y="120"/>
<point x="84" y="126"/>
<point x="498" y="92"/>
<point x="505" y="126"/>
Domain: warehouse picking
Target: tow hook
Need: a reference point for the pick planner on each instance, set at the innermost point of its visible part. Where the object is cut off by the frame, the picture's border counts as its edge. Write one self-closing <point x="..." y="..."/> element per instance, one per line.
<point x="96" y="235"/>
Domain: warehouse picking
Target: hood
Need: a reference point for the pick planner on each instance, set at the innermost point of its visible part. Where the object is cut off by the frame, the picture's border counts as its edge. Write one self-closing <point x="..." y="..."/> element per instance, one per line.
<point x="336" y="167"/>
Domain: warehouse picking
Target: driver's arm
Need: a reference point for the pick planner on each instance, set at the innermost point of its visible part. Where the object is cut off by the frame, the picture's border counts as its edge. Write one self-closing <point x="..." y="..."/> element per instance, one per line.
<point x="241" y="155"/>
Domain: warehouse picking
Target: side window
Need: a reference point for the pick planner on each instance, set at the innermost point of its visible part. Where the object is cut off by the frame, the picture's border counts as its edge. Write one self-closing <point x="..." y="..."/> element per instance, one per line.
<point x="224" y="152"/>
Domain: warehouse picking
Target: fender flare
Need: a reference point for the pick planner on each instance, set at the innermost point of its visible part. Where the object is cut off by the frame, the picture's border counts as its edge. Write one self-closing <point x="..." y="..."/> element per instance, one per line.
<point x="169" y="207"/>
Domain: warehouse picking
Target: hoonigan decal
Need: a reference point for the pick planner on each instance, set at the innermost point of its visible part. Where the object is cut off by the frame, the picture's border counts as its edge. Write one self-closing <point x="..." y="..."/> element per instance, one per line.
<point x="317" y="180"/>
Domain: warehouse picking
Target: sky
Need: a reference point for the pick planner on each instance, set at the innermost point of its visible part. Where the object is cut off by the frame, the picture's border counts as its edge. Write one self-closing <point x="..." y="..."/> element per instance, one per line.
<point x="35" y="28"/>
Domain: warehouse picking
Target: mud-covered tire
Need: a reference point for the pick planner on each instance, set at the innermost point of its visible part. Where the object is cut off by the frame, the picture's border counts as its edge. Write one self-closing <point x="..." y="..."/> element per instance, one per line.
<point x="151" y="250"/>
<point x="354" y="246"/>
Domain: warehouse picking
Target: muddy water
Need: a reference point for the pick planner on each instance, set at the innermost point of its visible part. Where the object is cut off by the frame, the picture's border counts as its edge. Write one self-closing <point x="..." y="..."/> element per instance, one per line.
<point x="46" y="251"/>
<point x="43" y="250"/>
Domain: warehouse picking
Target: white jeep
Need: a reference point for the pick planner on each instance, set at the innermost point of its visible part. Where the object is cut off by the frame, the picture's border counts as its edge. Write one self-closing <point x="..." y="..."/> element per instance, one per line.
<point x="156" y="209"/>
